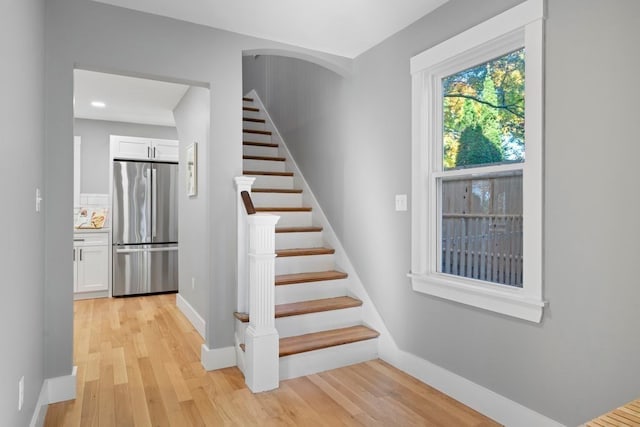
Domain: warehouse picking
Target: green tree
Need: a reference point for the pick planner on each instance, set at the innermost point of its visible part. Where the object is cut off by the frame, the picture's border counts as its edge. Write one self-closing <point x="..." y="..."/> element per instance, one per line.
<point x="490" y="95"/>
<point x="476" y="149"/>
<point x="489" y="119"/>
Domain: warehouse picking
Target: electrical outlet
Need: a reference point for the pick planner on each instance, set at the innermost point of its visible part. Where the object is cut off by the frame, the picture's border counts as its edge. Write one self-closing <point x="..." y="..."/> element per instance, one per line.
<point x="20" y="393"/>
<point x="401" y="202"/>
<point x="193" y="283"/>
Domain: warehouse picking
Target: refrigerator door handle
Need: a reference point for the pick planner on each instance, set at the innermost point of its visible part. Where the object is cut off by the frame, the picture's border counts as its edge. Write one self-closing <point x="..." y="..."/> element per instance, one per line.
<point x="137" y="250"/>
<point x="154" y="202"/>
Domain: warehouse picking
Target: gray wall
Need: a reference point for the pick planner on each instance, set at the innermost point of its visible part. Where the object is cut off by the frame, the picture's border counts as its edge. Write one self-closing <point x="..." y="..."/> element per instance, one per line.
<point x="192" y="122"/>
<point x="582" y="359"/>
<point x="305" y="101"/>
<point x="22" y="254"/>
<point x="95" y="148"/>
<point x="100" y="37"/>
<point x="254" y="75"/>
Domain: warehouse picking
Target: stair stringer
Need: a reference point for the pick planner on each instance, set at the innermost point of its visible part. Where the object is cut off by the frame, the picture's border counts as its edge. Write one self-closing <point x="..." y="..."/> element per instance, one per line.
<point x="387" y="347"/>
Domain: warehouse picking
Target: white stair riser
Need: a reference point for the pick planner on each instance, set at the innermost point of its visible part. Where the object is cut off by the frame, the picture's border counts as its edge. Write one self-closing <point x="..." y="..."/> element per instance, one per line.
<point x="266" y="181"/>
<point x="308" y="323"/>
<point x="263" y="165"/>
<point x="312" y="362"/>
<point x="256" y="137"/>
<point x="241" y="328"/>
<point x="248" y="103"/>
<point x="253" y="150"/>
<point x="304" y="264"/>
<point x="308" y="291"/>
<point x="298" y="240"/>
<point x="252" y="114"/>
<point x="293" y="219"/>
<point x="318" y="322"/>
<point x="253" y="125"/>
<point x="277" y="199"/>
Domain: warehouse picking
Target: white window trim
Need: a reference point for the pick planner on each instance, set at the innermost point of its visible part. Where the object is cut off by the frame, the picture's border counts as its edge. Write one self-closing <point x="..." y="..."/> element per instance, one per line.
<point x="520" y="26"/>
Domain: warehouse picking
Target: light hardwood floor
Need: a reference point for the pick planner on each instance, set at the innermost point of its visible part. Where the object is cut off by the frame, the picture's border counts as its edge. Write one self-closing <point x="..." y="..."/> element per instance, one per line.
<point x="139" y="365"/>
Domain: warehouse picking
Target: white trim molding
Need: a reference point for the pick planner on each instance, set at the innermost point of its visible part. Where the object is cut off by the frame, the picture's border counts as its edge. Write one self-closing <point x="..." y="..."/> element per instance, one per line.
<point x="495" y="406"/>
<point x="521" y="26"/>
<point x="217" y="358"/>
<point x="192" y="315"/>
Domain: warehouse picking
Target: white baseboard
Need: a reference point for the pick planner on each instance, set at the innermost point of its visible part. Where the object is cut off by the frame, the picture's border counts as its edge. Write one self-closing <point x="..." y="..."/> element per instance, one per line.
<point x="493" y="405"/>
<point x="217" y="358"/>
<point x="192" y="315"/>
<point x="40" y="411"/>
<point x="54" y="390"/>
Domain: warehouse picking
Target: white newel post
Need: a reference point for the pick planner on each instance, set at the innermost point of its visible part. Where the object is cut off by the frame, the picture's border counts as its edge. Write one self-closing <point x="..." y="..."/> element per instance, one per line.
<point x="261" y="338"/>
<point x="243" y="183"/>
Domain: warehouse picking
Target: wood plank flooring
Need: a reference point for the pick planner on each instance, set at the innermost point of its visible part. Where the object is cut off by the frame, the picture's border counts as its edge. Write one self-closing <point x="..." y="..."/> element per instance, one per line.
<point x="139" y="365"/>
<point x="625" y="416"/>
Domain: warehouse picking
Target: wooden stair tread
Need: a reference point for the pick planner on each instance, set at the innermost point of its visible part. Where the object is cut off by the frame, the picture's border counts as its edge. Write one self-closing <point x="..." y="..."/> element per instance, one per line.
<point x="283" y="209"/>
<point x="282" y="253"/>
<point x="268" y="158"/>
<point x="244" y="98"/>
<point x="308" y="307"/>
<point x="260" y="144"/>
<point x="298" y="229"/>
<point x="325" y="339"/>
<point x="316" y="276"/>
<point x="267" y="173"/>
<point x="254" y="109"/>
<point x="276" y="190"/>
<point x="260" y="132"/>
<point x="250" y="119"/>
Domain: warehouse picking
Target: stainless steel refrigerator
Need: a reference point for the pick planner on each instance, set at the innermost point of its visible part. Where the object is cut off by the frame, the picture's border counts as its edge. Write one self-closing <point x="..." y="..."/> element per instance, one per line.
<point x="145" y="227"/>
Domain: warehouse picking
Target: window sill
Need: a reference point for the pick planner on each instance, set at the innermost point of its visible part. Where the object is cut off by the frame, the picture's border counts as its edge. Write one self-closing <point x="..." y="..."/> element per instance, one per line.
<point x="496" y="298"/>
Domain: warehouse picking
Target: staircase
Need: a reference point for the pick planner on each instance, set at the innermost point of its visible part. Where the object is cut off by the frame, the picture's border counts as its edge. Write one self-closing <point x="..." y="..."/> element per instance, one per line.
<point x="318" y="322"/>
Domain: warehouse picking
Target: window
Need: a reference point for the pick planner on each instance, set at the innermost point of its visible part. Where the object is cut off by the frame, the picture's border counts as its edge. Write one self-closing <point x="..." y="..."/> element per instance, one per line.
<point x="477" y="165"/>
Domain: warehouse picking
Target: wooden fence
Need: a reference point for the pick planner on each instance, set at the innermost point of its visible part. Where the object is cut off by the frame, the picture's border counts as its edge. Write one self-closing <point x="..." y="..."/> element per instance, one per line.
<point x="483" y="247"/>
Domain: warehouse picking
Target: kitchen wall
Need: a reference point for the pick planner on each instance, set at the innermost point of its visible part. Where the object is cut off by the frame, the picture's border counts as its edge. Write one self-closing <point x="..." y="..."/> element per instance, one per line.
<point x="192" y="123"/>
<point x="582" y="359"/>
<point x="95" y="148"/>
<point x="92" y="35"/>
<point x="21" y="253"/>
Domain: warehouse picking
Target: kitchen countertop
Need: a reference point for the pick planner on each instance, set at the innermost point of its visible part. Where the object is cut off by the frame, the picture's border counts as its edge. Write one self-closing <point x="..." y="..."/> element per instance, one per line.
<point x="91" y="230"/>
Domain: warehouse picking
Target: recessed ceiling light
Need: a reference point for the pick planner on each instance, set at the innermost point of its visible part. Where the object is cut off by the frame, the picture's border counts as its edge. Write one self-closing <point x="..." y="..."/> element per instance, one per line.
<point x="98" y="104"/>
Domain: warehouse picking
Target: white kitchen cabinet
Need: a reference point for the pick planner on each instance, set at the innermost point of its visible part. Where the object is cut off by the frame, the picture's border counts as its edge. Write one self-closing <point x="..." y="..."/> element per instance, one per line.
<point x="91" y="262"/>
<point x="134" y="148"/>
<point x="164" y="150"/>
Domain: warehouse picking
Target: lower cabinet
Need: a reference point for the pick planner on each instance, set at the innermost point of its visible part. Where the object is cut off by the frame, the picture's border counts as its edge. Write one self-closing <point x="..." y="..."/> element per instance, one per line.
<point x="90" y="262"/>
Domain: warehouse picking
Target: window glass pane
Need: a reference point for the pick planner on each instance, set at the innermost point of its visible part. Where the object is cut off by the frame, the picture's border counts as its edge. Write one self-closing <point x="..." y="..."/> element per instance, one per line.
<point x="483" y="113"/>
<point x="481" y="228"/>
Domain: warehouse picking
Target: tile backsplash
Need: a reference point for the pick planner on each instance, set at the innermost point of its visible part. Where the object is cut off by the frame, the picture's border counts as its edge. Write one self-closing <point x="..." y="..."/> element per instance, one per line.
<point x="93" y="201"/>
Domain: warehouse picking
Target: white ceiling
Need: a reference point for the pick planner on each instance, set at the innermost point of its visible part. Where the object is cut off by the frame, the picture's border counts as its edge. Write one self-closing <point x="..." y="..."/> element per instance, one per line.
<point x="127" y="99"/>
<point x="341" y="27"/>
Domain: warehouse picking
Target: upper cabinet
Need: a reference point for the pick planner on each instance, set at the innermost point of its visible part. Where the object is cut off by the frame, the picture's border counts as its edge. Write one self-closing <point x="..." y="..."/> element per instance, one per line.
<point x="134" y="148"/>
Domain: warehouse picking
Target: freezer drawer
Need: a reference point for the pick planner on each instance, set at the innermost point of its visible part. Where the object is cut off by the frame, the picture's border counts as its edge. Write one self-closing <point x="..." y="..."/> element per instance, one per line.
<point x="144" y="269"/>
